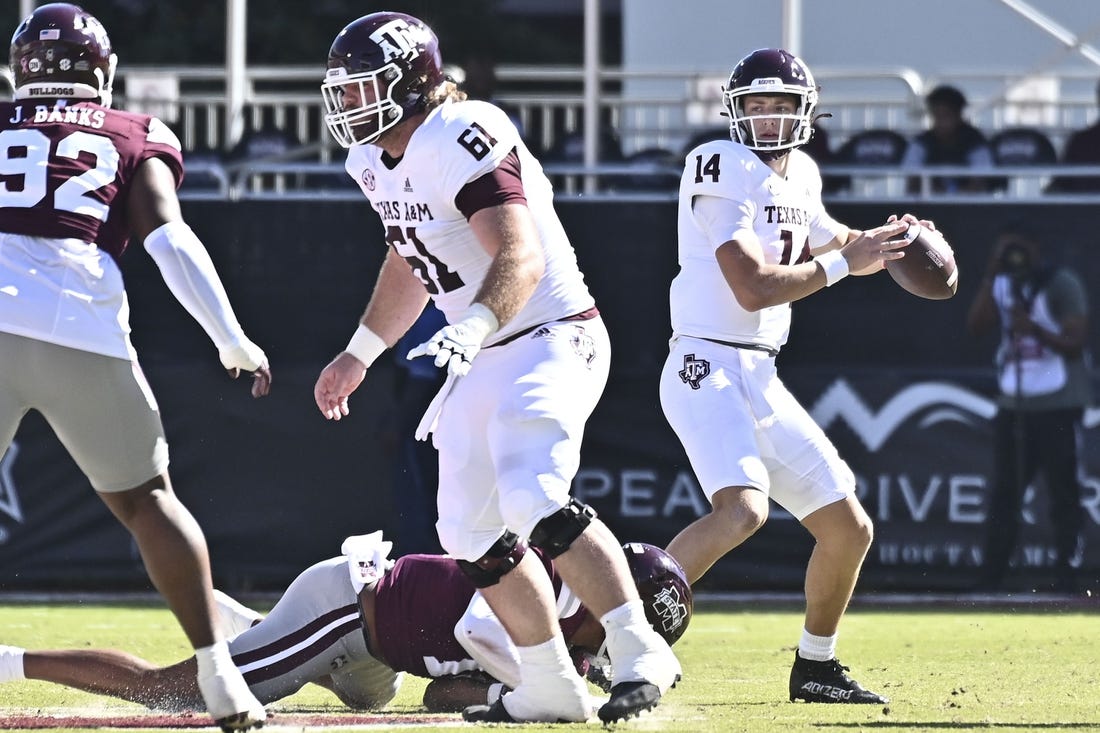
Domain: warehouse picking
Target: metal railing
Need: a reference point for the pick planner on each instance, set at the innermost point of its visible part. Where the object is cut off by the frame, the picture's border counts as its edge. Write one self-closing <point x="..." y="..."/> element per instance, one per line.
<point x="655" y="181"/>
<point x="648" y="108"/>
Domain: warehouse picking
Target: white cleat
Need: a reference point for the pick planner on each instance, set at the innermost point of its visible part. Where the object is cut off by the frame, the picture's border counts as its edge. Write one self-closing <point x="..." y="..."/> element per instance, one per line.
<point x="228" y="700"/>
<point x="568" y="703"/>
<point x="231" y="704"/>
<point x="639" y="654"/>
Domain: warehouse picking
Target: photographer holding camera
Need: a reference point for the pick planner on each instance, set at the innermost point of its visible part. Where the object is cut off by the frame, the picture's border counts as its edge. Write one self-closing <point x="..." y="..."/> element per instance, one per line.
<point x="1043" y="379"/>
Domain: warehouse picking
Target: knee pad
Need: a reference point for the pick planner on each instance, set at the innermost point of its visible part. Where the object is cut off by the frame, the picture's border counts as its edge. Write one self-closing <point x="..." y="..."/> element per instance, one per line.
<point x="556" y="532"/>
<point x="500" y="559"/>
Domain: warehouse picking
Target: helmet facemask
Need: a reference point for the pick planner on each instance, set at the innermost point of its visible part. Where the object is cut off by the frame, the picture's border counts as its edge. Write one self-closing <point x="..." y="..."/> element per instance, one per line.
<point x="392" y="62"/>
<point x="742" y="129"/>
<point x="376" y="112"/>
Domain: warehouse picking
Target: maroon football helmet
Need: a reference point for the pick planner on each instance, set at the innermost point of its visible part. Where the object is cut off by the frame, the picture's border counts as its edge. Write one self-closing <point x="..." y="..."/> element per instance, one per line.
<point x="393" y="59"/>
<point x="61" y="51"/>
<point x="771" y="71"/>
<point x="663" y="587"/>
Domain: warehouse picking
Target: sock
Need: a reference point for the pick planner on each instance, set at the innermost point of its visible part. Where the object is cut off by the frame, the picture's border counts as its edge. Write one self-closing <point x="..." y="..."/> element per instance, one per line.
<point x="816" y="648"/>
<point x="637" y="652"/>
<point x="548" y="657"/>
<point x="214" y="659"/>
<point x="550" y="688"/>
<point x="628" y="614"/>
<point x="11" y="663"/>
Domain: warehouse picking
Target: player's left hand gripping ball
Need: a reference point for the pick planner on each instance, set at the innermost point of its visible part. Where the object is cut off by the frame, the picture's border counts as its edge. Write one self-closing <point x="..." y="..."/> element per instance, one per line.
<point x="456" y="345"/>
<point x="928" y="268"/>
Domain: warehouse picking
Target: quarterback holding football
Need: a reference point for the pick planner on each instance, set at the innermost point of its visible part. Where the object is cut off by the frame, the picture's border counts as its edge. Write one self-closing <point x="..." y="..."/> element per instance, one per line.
<point x="754" y="237"/>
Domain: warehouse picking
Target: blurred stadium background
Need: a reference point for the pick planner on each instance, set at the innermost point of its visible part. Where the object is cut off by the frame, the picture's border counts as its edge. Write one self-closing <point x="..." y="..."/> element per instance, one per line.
<point x="610" y="92"/>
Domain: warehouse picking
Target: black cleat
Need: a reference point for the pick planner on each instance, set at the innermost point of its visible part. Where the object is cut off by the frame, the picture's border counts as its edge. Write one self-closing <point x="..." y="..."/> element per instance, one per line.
<point x="239" y="722"/>
<point x="629" y="699"/>
<point x="827" y="682"/>
<point x="495" y="713"/>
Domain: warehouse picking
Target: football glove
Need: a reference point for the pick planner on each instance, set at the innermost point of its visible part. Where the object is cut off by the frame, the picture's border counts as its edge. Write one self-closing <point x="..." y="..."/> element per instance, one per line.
<point x="243" y="355"/>
<point x="455" y="346"/>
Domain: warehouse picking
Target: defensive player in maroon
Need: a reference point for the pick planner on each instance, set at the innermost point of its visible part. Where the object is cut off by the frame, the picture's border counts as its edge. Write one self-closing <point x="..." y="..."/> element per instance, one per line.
<point x="354" y="623"/>
<point x="78" y="180"/>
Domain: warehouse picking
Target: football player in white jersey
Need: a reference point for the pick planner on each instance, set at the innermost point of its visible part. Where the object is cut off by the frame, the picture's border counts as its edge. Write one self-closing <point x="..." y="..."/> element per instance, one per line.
<point x="470" y="223"/>
<point x="753" y="237"/>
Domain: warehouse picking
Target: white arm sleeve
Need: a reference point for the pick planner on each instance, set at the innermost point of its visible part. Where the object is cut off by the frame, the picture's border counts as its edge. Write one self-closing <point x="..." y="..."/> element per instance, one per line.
<point x="189" y="273"/>
<point x="483" y="637"/>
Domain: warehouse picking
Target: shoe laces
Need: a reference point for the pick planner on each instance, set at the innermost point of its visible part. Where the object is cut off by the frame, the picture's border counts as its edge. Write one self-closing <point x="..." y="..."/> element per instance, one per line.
<point x="840" y="670"/>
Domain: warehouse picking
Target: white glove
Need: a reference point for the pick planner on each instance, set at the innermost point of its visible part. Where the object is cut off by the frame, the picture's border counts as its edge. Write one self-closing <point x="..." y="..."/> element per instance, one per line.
<point x="456" y="345"/>
<point x="368" y="558"/>
<point x="245" y="355"/>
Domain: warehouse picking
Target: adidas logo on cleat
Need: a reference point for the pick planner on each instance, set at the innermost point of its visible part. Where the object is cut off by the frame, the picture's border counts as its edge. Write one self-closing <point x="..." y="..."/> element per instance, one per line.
<point x="819" y="690"/>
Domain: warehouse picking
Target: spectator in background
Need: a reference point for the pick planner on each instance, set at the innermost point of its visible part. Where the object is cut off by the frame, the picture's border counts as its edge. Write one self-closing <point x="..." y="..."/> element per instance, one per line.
<point x="1042" y="313"/>
<point x="266" y="141"/>
<point x="479" y="81"/>
<point x="263" y="143"/>
<point x="1082" y="148"/>
<point x="950" y="141"/>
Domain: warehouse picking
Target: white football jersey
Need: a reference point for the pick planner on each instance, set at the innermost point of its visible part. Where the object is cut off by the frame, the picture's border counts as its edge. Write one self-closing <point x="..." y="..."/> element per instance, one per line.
<point x="785" y="215"/>
<point x="457" y="143"/>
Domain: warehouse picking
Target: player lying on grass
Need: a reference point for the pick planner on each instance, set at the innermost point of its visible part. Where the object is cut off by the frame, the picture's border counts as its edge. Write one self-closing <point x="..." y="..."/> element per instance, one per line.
<point x="355" y="623"/>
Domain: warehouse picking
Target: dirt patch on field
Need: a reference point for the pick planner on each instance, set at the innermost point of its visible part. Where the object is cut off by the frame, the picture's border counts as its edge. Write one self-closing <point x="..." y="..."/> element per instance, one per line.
<point x="42" y="720"/>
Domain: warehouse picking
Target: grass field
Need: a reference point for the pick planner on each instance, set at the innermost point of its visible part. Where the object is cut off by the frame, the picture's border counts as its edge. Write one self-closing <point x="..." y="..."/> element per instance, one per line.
<point x="960" y="668"/>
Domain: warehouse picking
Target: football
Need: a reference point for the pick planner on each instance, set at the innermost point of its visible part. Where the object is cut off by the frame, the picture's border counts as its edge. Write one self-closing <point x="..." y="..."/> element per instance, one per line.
<point x="928" y="268"/>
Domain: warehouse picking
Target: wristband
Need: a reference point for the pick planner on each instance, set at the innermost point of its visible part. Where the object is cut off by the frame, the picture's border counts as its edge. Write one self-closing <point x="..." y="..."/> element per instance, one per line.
<point x="481" y="318"/>
<point x="365" y="345"/>
<point x="834" y="266"/>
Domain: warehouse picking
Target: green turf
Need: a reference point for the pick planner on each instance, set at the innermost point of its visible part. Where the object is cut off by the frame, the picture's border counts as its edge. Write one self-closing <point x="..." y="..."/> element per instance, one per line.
<point x="953" y="668"/>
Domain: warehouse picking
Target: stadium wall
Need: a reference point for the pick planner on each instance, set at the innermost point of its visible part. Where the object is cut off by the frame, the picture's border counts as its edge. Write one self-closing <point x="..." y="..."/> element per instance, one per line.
<point x="896" y="382"/>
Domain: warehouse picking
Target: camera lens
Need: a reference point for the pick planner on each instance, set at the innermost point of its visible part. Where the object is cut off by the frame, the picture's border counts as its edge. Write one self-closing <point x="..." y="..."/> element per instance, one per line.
<point x="1014" y="258"/>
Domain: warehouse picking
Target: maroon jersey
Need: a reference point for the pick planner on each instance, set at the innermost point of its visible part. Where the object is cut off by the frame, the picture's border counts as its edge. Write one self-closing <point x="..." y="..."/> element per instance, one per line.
<point x="417" y="605"/>
<point x="66" y="169"/>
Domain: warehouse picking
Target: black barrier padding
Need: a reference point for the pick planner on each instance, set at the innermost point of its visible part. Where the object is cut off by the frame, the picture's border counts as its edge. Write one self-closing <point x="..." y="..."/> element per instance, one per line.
<point x="276" y="487"/>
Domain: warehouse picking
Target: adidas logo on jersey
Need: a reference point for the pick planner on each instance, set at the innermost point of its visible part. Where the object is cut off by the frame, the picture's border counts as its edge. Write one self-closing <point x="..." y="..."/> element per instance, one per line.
<point x="408" y="186"/>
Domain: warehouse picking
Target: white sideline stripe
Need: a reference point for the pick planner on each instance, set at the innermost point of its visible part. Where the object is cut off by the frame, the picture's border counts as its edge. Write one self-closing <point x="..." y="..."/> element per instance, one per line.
<point x="791" y="597"/>
<point x="290" y="650"/>
<point x="1023" y="598"/>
